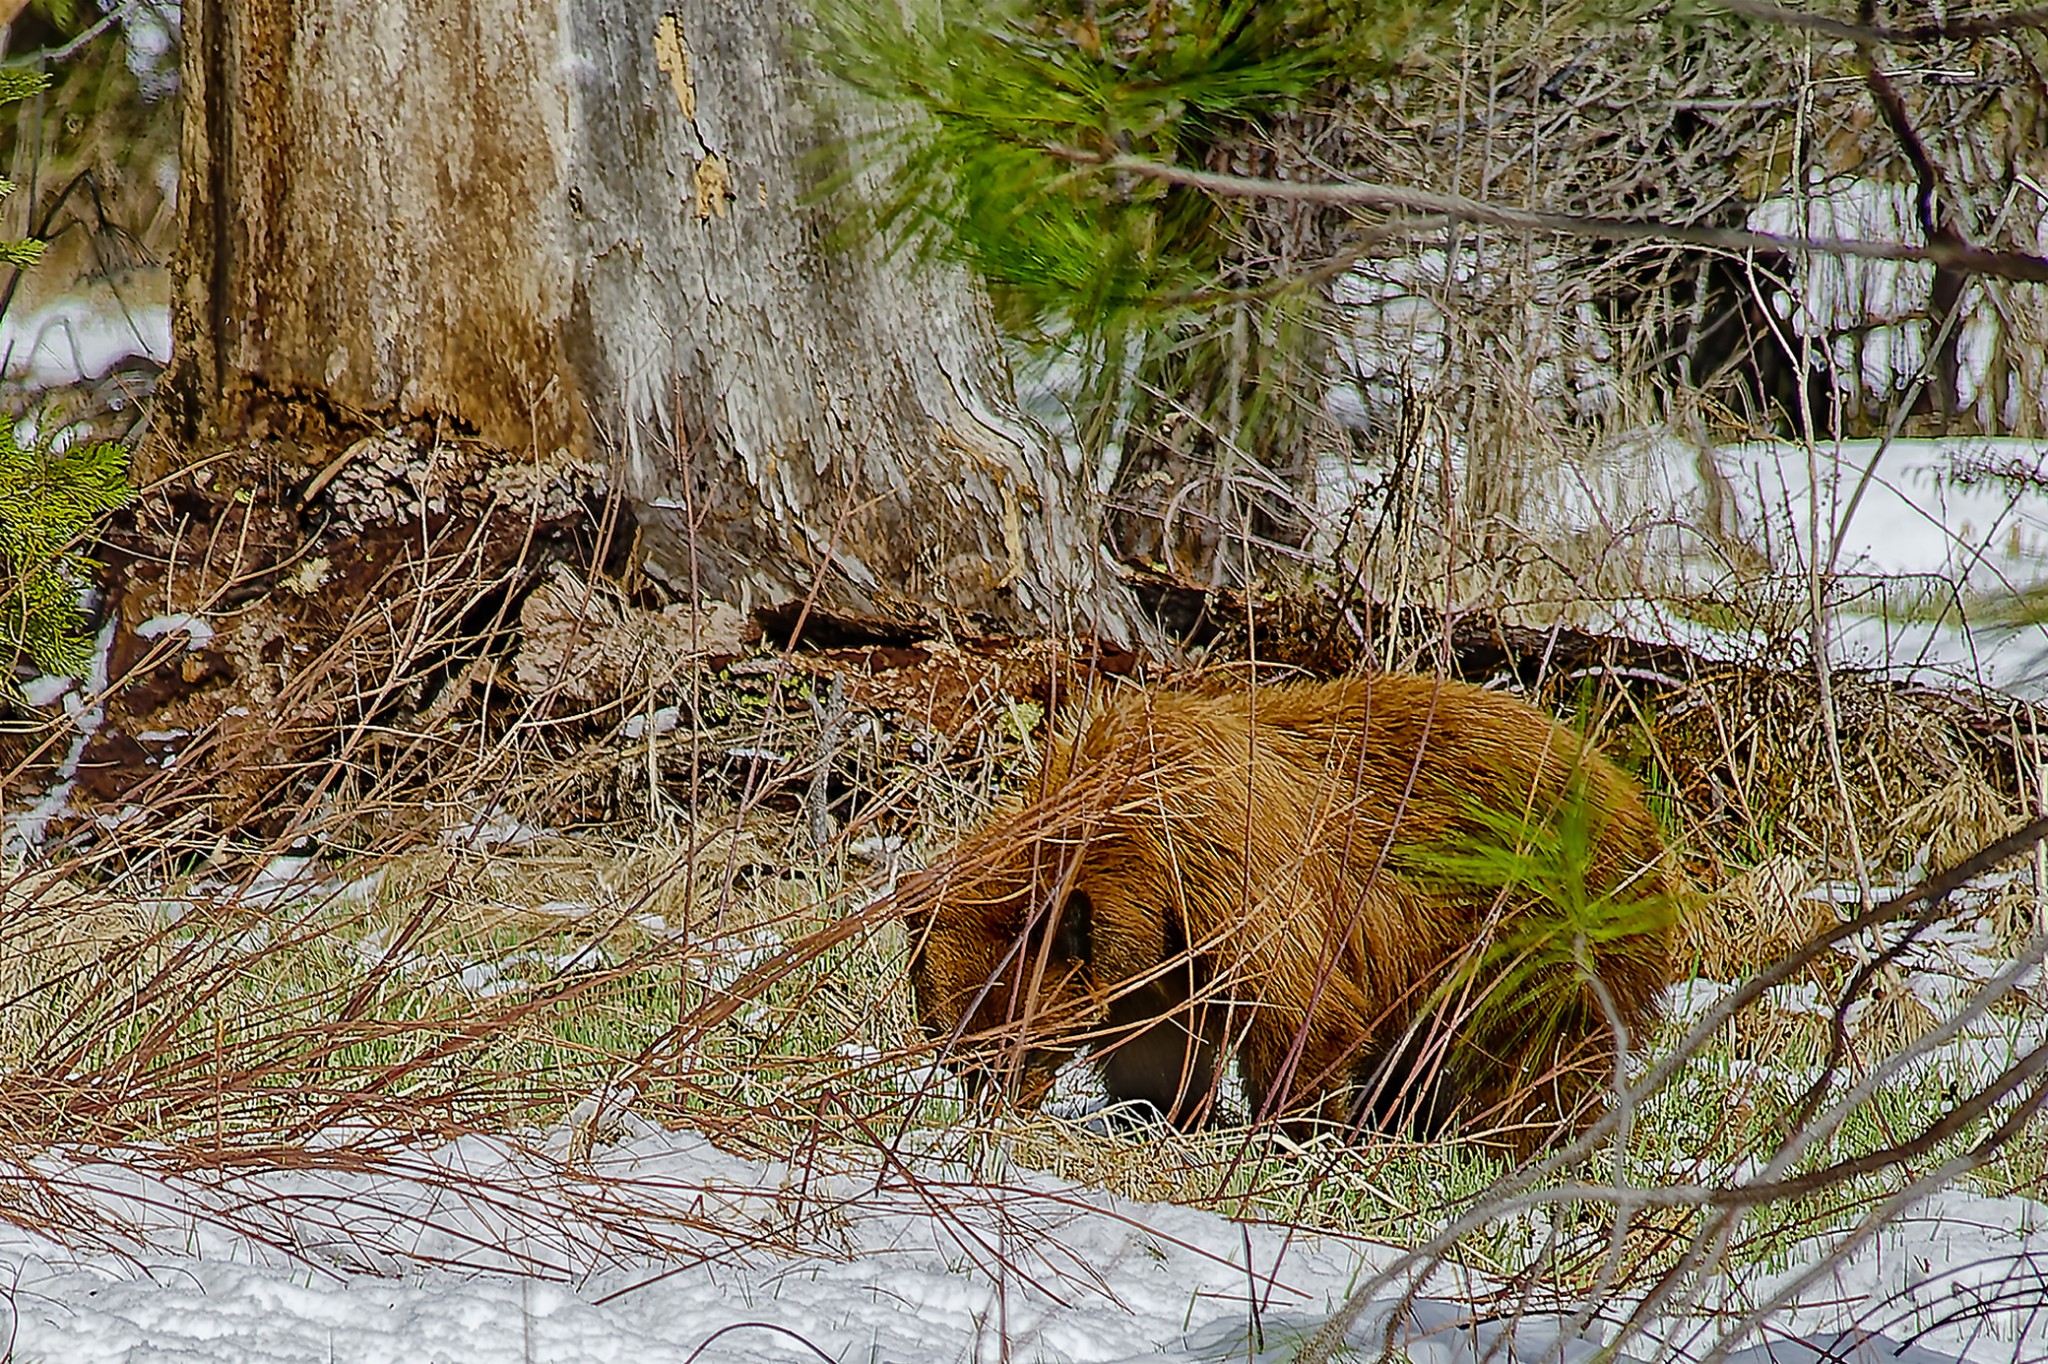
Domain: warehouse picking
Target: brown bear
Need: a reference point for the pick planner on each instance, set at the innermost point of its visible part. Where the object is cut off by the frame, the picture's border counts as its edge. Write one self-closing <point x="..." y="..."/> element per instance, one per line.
<point x="1394" y="900"/>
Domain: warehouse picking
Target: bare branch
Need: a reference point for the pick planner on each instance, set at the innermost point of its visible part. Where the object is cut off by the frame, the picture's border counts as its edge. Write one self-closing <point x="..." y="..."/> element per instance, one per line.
<point x="1940" y="30"/>
<point x="2010" y="265"/>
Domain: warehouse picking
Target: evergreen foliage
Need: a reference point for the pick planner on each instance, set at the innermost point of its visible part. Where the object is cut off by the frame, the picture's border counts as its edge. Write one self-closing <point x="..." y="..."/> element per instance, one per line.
<point x="1015" y="105"/>
<point x="1543" y="864"/>
<point x="49" y="500"/>
<point x="18" y="83"/>
<point x="1017" y="100"/>
<point x="48" y="503"/>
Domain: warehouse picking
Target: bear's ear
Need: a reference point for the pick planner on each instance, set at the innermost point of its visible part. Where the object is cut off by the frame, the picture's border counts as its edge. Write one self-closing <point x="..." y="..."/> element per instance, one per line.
<point x="1074" y="934"/>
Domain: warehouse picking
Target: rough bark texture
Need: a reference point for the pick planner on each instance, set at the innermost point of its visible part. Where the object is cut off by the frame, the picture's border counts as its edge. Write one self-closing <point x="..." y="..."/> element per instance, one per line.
<point x="588" y="227"/>
<point x="374" y="205"/>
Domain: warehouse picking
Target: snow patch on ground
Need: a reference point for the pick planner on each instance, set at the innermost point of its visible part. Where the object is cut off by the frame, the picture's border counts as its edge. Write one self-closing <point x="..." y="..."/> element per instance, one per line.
<point x="1962" y="515"/>
<point x="1932" y="550"/>
<point x="663" y="1247"/>
<point x="23" y="832"/>
<point x="1935" y="547"/>
<point x="747" y="1260"/>
<point x="78" y="338"/>
<point x="485" y="831"/>
<point x="198" y="631"/>
<point x="662" y="721"/>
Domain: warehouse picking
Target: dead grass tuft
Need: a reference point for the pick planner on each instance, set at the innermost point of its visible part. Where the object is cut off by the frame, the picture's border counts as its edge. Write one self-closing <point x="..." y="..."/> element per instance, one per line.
<point x="1745" y="752"/>
<point x="1755" y="917"/>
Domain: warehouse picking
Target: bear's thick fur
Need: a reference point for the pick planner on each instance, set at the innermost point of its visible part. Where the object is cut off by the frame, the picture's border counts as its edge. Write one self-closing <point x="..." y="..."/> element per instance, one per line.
<point x="1321" y="881"/>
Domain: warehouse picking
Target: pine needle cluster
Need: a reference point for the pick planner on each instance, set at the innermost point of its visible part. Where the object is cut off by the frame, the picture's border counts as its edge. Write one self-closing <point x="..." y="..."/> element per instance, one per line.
<point x="1012" y="108"/>
<point x="1545" y="865"/>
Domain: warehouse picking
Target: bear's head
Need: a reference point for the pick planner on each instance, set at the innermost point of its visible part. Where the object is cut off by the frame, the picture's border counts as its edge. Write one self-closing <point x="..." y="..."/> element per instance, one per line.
<point x="1000" y="973"/>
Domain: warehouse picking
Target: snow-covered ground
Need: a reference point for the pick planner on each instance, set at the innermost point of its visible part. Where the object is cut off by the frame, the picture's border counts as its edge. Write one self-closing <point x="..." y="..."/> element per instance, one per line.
<point x="1933" y="554"/>
<point x="662" y="1247"/>
<point x="1937" y="549"/>
<point x="874" y="1265"/>
<point x="1941" y="546"/>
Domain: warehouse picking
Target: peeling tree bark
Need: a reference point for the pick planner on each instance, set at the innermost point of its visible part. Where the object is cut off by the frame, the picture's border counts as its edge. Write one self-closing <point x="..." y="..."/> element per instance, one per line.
<point x="586" y="227"/>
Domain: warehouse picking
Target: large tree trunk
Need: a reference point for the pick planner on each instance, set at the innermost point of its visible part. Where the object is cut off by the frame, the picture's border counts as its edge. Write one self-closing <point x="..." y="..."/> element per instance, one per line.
<point x="587" y="229"/>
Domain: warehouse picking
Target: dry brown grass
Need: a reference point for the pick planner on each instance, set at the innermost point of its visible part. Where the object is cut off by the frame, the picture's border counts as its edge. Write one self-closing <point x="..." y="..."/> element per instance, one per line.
<point x="1755" y="916"/>
<point x="728" y="975"/>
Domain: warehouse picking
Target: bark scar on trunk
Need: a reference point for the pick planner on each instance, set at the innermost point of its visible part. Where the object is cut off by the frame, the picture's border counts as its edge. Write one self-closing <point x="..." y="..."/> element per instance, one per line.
<point x="672" y="55"/>
<point x="713" y="186"/>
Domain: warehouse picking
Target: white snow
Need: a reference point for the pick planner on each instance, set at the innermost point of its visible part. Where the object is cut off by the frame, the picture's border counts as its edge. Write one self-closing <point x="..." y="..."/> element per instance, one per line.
<point x="492" y="831"/>
<point x="662" y="721"/>
<point x="1648" y="618"/>
<point x="198" y="630"/>
<point x="48" y="689"/>
<point x="1869" y="318"/>
<point x="281" y="880"/>
<point x="1838" y="292"/>
<point x="519" y="970"/>
<point x="1933" y="552"/>
<point x="660" y="1247"/>
<point x="1965" y="514"/>
<point x="1934" y="547"/>
<point x="879" y="849"/>
<point x="23" y="832"/>
<point x="81" y="338"/>
<point x="1394" y="328"/>
<point x="663" y="1247"/>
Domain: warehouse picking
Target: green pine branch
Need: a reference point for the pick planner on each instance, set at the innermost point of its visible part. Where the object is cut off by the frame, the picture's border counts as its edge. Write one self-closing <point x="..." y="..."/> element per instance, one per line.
<point x="49" y="503"/>
<point x="1004" y="103"/>
<point x="1543" y="862"/>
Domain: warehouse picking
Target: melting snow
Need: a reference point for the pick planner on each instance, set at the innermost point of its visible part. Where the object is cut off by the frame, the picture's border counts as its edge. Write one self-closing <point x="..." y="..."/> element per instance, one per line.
<point x="81" y="337"/>
<point x="24" y="832"/>
<point x="1965" y="514"/>
<point x="493" y="831"/>
<point x="662" y="721"/>
<point x="48" y="689"/>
